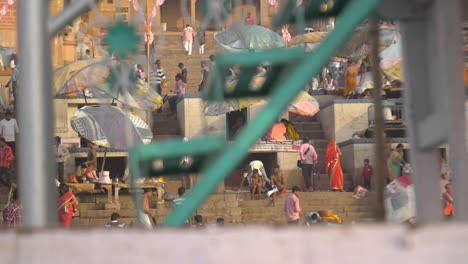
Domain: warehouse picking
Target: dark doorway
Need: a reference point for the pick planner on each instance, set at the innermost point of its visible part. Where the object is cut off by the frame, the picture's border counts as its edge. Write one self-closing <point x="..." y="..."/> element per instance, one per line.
<point x="115" y="165"/>
<point x="269" y="160"/>
<point x="173" y="16"/>
<point x="235" y="121"/>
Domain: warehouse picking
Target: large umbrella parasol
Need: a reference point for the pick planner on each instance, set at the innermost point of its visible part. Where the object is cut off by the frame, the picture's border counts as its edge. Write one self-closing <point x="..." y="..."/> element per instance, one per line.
<point x="81" y="75"/>
<point x="92" y="80"/>
<point x="248" y="38"/>
<point x="355" y="47"/>
<point x="304" y="105"/>
<point x="390" y="63"/>
<point x="110" y="127"/>
<point x="309" y="40"/>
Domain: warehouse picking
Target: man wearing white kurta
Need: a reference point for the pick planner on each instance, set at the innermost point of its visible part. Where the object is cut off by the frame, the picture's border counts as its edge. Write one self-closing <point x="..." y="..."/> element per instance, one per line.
<point x="8" y="130"/>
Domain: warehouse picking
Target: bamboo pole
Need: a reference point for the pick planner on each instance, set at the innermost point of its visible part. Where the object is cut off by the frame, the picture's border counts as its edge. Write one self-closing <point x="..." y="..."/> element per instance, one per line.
<point x="148" y="54"/>
<point x="379" y="123"/>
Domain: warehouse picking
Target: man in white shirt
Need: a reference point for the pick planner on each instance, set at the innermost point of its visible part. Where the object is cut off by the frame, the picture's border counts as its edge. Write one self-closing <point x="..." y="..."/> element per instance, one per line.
<point x="8" y="130"/>
<point x="61" y="154"/>
<point x="256" y="164"/>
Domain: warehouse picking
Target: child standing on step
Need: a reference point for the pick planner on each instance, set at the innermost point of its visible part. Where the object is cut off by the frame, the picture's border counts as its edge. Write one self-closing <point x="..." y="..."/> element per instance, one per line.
<point x="367" y="172"/>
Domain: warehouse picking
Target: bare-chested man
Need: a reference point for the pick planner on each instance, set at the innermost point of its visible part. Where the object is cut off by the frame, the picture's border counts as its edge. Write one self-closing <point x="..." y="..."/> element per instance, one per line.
<point x="256" y="184"/>
<point x="279" y="181"/>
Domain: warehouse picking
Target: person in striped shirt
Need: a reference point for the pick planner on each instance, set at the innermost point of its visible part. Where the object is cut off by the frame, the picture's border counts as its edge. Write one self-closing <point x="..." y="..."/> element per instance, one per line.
<point x="157" y="77"/>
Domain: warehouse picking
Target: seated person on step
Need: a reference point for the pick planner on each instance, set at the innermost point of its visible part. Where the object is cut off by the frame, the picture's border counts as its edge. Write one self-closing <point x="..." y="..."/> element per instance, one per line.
<point x="256" y="184"/>
<point x="291" y="132"/>
<point x="248" y="172"/>
<point x="277" y="132"/>
<point x="278" y="180"/>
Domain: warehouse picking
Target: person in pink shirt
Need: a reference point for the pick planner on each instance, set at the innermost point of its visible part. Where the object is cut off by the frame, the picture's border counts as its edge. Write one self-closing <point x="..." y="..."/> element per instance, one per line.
<point x="249" y="20"/>
<point x="308" y="160"/>
<point x="187" y="39"/>
<point x="292" y="207"/>
<point x="277" y="132"/>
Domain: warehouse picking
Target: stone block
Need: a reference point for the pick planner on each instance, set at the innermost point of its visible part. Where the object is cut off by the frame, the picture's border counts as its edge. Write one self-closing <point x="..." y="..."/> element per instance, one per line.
<point x="236" y="219"/>
<point x="231" y="204"/>
<point x="230" y="197"/>
<point x="212" y="211"/>
<point x="207" y="205"/>
<point x="98" y="222"/>
<point x="112" y="206"/>
<point x="220" y="204"/>
<point x="99" y="214"/>
<point x="235" y="211"/>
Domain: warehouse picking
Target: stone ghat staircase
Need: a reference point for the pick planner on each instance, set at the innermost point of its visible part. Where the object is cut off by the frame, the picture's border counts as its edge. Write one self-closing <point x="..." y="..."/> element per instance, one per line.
<point x="235" y="208"/>
<point x="172" y="53"/>
<point x="311" y="128"/>
<point x="348" y="208"/>
<point x="165" y="124"/>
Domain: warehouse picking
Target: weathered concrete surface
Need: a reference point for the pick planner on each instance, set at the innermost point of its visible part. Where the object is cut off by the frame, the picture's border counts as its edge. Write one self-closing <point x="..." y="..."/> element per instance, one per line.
<point x="342" y="118"/>
<point x="358" y="244"/>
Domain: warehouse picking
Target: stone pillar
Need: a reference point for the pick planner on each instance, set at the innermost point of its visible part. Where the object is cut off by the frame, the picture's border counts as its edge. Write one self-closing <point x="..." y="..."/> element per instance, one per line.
<point x="264" y="14"/>
<point x="157" y="18"/>
<point x="57" y="42"/>
<point x="193" y="17"/>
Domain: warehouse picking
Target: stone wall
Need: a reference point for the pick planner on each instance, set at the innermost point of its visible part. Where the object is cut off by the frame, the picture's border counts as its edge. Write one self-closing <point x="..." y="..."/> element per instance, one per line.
<point x="193" y="121"/>
<point x="342" y="118"/>
<point x="293" y="175"/>
<point x="349" y="118"/>
<point x="327" y="120"/>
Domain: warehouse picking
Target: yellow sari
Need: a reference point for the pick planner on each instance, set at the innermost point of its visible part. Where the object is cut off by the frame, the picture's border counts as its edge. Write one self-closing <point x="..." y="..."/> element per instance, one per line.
<point x="291" y="132"/>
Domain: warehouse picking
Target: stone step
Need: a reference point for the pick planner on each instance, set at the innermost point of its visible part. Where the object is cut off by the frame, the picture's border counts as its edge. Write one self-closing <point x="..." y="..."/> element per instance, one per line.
<point x="311" y="134"/>
<point x="297" y="118"/>
<point x="308" y="126"/>
<point x="91" y="206"/>
<point x="309" y="208"/>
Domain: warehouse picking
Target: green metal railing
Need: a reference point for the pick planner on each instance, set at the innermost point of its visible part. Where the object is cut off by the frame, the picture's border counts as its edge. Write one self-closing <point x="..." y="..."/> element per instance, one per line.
<point x="288" y="84"/>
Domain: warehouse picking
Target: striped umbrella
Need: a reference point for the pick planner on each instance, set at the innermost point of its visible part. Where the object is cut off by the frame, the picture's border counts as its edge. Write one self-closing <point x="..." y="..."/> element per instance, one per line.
<point x="249" y="38"/>
<point x="110" y="127"/>
<point x="304" y="105"/>
<point x="93" y="76"/>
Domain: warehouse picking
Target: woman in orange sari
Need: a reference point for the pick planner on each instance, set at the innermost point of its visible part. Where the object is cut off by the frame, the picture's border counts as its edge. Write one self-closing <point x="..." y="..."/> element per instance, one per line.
<point x="334" y="170"/>
<point x="351" y="78"/>
<point x="68" y="206"/>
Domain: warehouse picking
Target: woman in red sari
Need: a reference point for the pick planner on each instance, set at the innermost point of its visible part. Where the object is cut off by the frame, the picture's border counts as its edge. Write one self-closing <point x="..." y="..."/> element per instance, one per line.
<point x="334" y="170"/>
<point x="67" y="206"/>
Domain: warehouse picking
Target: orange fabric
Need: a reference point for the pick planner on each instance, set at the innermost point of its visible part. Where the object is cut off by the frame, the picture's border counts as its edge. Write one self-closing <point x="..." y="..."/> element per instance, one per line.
<point x="66" y="211"/>
<point x="6" y="156"/>
<point x="351" y="79"/>
<point x="73" y="179"/>
<point x="466" y="77"/>
<point x="277" y="132"/>
<point x="449" y="209"/>
<point x="334" y="170"/>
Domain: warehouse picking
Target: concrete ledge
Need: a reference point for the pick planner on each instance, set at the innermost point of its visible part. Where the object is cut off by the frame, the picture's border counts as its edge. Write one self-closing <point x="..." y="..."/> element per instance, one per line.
<point x="369" y="141"/>
<point x="387" y="244"/>
<point x="356" y="150"/>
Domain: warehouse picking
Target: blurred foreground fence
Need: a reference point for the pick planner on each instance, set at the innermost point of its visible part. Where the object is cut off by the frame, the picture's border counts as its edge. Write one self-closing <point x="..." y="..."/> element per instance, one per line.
<point x="334" y="245"/>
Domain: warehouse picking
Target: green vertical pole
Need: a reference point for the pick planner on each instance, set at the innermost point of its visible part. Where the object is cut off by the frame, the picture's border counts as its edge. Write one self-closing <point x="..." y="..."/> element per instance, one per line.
<point x="284" y="93"/>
